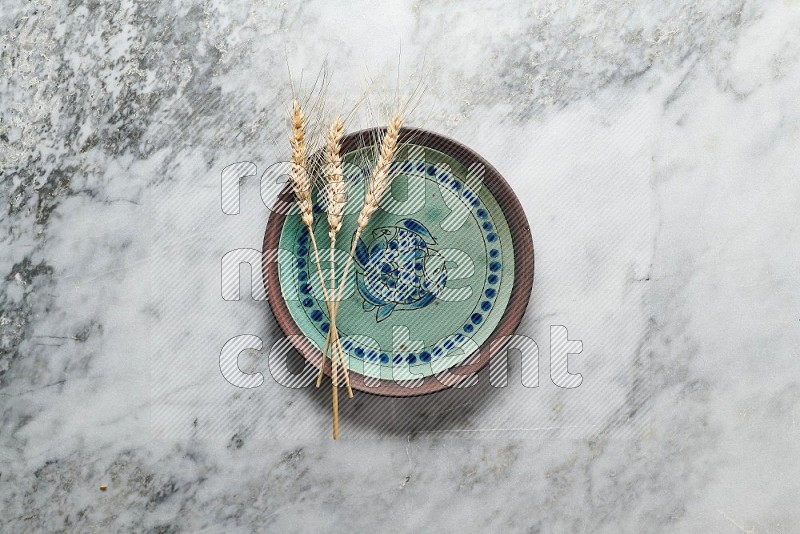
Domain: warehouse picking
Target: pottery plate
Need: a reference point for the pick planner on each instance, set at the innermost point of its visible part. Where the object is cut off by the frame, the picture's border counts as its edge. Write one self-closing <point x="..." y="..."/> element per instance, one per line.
<point x="442" y="275"/>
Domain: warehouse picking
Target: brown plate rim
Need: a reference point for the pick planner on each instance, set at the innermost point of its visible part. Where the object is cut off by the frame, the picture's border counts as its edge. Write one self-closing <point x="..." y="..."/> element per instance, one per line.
<point x="522" y="243"/>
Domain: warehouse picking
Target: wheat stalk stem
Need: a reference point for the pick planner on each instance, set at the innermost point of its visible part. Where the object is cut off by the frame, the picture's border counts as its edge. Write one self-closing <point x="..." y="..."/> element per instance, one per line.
<point x="332" y="339"/>
<point x="335" y="394"/>
<point x="337" y="346"/>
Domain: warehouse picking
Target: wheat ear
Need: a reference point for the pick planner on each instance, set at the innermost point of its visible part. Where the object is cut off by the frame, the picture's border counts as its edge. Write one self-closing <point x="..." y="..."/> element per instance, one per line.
<point x="379" y="181"/>
<point x="298" y="175"/>
<point x="335" y="175"/>
<point x="301" y="186"/>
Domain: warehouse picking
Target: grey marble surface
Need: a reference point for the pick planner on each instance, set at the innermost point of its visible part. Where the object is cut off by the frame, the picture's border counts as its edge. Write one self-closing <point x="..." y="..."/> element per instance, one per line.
<point x="655" y="148"/>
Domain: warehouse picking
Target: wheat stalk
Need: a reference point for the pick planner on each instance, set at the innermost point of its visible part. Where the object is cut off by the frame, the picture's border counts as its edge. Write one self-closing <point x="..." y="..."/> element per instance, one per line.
<point x="301" y="182"/>
<point x="379" y="181"/>
<point x="301" y="186"/>
<point x="335" y="203"/>
<point x="381" y="178"/>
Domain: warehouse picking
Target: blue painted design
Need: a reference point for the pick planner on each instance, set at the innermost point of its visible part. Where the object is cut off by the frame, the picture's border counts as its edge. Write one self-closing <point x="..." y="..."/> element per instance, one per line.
<point x="411" y="359"/>
<point x="491" y="237"/>
<point x="401" y="271"/>
<point x="425" y="356"/>
<point x="492" y="279"/>
<point x="495" y="266"/>
<point x="476" y="318"/>
<point x="486" y="305"/>
<point x="494" y="253"/>
<point x="490" y="293"/>
<point x="482" y="213"/>
<point x="316" y="315"/>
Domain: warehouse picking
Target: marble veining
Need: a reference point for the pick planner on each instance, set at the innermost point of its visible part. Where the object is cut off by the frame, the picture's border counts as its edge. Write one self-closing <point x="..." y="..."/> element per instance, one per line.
<point x="654" y="147"/>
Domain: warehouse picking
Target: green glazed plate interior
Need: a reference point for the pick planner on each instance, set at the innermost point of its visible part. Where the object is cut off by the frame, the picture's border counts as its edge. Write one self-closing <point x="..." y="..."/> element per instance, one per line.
<point x="433" y="272"/>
